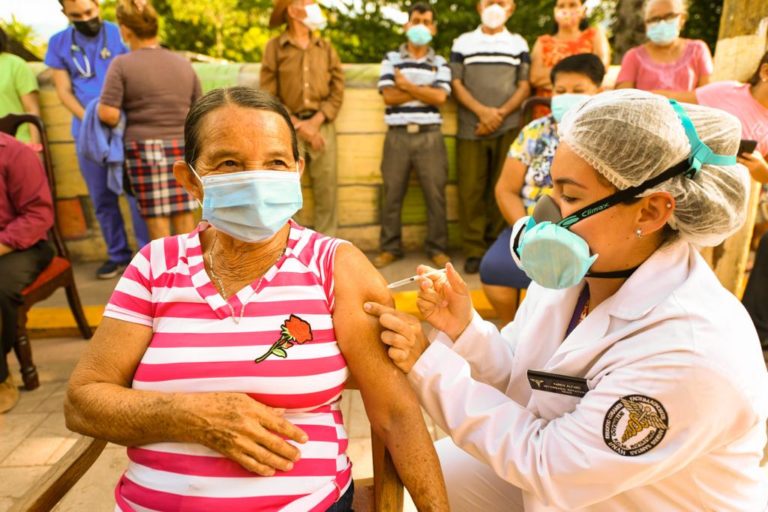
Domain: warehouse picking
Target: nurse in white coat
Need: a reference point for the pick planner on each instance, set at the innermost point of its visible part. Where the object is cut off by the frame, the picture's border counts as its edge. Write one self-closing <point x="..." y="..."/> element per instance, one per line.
<point x="630" y="381"/>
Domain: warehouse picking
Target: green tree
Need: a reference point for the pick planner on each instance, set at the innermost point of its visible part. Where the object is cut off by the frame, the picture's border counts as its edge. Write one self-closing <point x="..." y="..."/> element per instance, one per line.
<point x="24" y="35"/>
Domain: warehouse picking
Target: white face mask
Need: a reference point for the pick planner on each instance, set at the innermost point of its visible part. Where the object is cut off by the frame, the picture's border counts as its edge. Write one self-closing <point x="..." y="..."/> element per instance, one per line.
<point x="494" y="16"/>
<point x="315" y="19"/>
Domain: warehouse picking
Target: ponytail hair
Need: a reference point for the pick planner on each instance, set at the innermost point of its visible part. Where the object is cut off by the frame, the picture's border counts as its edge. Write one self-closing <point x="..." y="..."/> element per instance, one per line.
<point x="139" y="16"/>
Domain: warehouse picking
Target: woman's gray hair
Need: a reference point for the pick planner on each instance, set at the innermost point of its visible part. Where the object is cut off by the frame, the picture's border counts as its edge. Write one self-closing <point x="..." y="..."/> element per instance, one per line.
<point x="246" y="97"/>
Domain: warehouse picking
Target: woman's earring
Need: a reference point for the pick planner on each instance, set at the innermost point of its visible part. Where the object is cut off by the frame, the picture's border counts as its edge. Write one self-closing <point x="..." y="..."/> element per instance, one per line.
<point x="669" y="205"/>
<point x="639" y="233"/>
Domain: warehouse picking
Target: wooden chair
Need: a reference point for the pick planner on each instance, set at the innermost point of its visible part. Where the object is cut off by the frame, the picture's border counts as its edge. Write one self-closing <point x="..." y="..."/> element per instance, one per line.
<point x="382" y="493"/>
<point x="526" y="109"/>
<point x="56" y="275"/>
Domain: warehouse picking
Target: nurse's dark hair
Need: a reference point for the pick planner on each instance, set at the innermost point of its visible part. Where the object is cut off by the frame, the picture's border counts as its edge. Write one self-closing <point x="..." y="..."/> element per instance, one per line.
<point x="246" y="97"/>
<point x="587" y="64"/>
<point x="3" y="41"/>
<point x="139" y="16"/>
<point x="756" y="76"/>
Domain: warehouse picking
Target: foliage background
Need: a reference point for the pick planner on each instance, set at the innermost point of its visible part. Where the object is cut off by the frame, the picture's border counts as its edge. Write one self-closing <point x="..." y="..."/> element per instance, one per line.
<point x="236" y="29"/>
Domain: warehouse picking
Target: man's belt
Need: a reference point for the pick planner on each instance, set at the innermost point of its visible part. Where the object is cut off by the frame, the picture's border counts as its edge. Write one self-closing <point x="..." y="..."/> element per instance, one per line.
<point x="305" y="114"/>
<point x="416" y="128"/>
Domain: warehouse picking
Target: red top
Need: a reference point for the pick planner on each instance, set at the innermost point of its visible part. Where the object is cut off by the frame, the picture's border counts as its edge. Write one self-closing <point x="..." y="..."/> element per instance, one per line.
<point x="553" y="50"/>
<point x="26" y="207"/>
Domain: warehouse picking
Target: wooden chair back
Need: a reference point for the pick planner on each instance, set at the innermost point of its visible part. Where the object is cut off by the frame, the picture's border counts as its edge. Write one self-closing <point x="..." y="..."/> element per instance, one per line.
<point x="383" y="492"/>
<point x="526" y="109"/>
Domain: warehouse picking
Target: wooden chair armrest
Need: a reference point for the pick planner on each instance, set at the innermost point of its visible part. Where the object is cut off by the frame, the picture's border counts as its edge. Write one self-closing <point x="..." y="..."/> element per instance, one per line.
<point x="61" y="477"/>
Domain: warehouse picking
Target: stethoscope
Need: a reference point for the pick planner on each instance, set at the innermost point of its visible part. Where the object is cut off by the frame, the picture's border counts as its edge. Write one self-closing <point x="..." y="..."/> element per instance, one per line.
<point x="74" y="48"/>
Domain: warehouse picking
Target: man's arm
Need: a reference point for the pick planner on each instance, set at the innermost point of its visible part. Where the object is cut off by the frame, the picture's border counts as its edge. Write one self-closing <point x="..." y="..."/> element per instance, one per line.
<point x="489" y="118"/>
<point x="268" y="72"/>
<point x="389" y="401"/>
<point x="331" y="105"/>
<point x="428" y="94"/>
<point x="395" y="96"/>
<point x="30" y="196"/>
<point x="517" y="98"/>
<point x="63" y="85"/>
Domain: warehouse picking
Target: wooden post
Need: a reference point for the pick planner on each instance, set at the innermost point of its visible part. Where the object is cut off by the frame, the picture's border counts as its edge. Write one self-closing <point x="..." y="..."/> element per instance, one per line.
<point x="740" y="46"/>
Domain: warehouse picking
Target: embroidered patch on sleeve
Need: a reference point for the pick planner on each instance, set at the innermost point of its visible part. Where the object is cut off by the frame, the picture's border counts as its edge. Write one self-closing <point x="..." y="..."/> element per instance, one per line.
<point x="634" y="425"/>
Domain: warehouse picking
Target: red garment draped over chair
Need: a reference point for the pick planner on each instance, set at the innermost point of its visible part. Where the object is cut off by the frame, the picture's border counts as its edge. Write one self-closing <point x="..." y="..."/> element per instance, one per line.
<point x="58" y="274"/>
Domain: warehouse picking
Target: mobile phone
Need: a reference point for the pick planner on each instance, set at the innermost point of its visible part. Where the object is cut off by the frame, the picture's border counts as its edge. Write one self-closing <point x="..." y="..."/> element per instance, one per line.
<point x="747" y="146"/>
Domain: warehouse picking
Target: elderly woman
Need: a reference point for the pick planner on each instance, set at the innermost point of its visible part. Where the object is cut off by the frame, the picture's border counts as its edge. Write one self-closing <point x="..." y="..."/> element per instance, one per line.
<point x="223" y="353"/>
<point x="630" y="378"/>
<point x="666" y="61"/>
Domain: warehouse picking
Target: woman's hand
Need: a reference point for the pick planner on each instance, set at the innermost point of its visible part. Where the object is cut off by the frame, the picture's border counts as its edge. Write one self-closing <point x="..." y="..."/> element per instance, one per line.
<point x="756" y="164"/>
<point x="243" y="430"/>
<point x="444" y="300"/>
<point x="401" y="332"/>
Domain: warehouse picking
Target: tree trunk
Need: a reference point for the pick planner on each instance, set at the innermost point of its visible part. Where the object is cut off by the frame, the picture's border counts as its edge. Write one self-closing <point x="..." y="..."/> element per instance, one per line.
<point x="628" y="28"/>
<point x="741" y="44"/>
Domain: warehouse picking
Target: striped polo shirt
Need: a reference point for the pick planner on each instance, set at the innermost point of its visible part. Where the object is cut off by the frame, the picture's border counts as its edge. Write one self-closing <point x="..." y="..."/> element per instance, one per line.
<point x="273" y="340"/>
<point x="431" y="70"/>
<point x="490" y="67"/>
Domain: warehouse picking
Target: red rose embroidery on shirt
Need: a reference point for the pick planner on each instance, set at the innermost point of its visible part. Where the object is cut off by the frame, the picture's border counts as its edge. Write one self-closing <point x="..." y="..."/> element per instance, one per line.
<point x="293" y="331"/>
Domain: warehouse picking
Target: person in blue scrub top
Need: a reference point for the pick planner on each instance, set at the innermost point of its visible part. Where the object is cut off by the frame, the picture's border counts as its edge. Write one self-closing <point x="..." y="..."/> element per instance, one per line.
<point x="79" y="56"/>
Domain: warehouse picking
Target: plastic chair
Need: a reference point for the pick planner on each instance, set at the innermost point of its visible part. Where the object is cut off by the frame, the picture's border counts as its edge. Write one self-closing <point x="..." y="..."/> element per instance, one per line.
<point x="58" y="274"/>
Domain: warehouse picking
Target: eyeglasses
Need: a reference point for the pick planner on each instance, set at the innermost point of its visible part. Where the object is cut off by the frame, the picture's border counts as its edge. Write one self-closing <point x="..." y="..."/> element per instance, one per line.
<point x="664" y="17"/>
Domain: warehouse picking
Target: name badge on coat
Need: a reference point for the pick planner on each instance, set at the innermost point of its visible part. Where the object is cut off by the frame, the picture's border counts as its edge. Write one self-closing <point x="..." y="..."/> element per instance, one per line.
<point x="560" y="384"/>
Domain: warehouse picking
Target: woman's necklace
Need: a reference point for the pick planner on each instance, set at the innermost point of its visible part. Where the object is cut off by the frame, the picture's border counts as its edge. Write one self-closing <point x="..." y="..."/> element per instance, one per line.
<point x="216" y="278"/>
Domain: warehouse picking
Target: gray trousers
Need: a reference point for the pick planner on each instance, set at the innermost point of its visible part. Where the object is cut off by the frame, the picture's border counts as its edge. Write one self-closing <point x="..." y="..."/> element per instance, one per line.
<point x="425" y="152"/>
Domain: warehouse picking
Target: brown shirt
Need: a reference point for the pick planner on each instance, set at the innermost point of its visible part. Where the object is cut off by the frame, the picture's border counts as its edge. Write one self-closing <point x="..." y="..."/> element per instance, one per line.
<point x="303" y="79"/>
<point x="155" y="87"/>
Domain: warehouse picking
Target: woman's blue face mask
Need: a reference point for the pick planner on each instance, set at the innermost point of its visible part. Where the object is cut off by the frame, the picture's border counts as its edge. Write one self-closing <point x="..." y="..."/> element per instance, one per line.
<point x="250" y="205"/>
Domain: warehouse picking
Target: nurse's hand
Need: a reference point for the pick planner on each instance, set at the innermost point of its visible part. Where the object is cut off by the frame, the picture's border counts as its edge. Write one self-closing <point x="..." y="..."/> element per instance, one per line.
<point x="444" y="300"/>
<point x="401" y="332"/>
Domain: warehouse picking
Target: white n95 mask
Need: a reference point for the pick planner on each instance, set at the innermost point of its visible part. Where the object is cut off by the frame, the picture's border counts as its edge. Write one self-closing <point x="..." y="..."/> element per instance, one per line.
<point x="494" y="16"/>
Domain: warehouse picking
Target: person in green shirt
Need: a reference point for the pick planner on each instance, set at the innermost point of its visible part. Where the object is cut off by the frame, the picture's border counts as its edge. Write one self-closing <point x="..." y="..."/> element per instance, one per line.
<point x="18" y="89"/>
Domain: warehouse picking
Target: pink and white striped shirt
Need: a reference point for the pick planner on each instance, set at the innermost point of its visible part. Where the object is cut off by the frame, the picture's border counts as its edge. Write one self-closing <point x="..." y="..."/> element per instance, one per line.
<point x="202" y="343"/>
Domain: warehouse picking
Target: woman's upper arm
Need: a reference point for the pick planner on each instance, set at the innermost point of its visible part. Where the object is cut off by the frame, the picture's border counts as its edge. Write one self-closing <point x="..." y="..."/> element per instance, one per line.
<point x="113" y="354"/>
<point x="384" y="388"/>
<point x="602" y="47"/>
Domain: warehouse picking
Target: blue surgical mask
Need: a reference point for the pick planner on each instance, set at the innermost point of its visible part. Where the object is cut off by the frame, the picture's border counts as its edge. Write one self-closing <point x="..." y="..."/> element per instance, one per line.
<point x="562" y="103"/>
<point x="663" y="32"/>
<point x="419" y="35"/>
<point x="555" y="257"/>
<point x="250" y="205"/>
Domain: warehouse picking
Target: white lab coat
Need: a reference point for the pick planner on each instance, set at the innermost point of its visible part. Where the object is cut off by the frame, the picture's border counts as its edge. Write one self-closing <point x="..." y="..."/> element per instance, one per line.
<point x="671" y="333"/>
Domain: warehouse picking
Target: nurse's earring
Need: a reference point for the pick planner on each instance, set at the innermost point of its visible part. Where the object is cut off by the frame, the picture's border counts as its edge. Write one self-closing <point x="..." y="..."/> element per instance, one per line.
<point x="639" y="233"/>
<point x="669" y="205"/>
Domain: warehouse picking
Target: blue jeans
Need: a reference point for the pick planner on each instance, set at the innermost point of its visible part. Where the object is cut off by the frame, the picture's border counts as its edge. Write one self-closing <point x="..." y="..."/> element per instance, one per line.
<point x="345" y="502"/>
<point x="106" y="207"/>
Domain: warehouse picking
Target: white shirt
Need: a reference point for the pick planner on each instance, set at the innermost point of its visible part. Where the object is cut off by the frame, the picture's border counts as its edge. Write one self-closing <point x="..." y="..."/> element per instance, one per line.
<point x="671" y="350"/>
